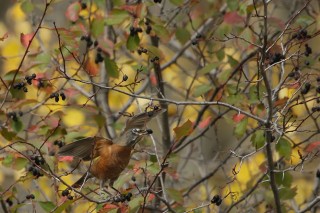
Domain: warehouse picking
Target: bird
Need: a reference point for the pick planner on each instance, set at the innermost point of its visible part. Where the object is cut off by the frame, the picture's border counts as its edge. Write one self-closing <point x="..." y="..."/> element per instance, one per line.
<point x="108" y="158"/>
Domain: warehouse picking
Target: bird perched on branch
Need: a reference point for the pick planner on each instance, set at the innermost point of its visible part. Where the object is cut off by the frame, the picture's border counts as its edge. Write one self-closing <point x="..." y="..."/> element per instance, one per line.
<point x="110" y="157"/>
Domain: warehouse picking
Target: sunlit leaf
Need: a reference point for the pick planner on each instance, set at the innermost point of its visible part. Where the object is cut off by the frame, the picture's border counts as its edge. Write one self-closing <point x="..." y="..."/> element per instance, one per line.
<point x="207" y="69"/>
<point x="46" y="205"/>
<point x="27" y="6"/>
<point x="63" y="207"/>
<point x="97" y="26"/>
<point x="116" y="17"/>
<point x="8" y="160"/>
<point x="233" y="62"/>
<point x="183" y="130"/>
<point x="284" y="178"/>
<point x="111" y="67"/>
<point x="177" y="2"/>
<point x="232" y="4"/>
<point x="161" y="32"/>
<point x="287" y="193"/>
<point x="201" y="90"/>
<point x="135" y="204"/>
<point x="284" y="148"/>
<point x="20" y="163"/>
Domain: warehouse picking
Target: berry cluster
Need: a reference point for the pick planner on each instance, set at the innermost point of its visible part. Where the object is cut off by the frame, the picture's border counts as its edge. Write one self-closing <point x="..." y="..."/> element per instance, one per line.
<point x="276" y="58"/>
<point x="196" y="40"/>
<point x="306" y="88"/>
<point x="302" y="34"/>
<point x="315" y="109"/>
<point x="142" y="50"/>
<point x="122" y="198"/>
<point x="295" y="73"/>
<point x="29" y="78"/>
<point x="58" y="143"/>
<point x="13" y="115"/>
<point x="35" y="171"/>
<point x="135" y="30"/>
<point x="19" y="86"/>
<point x="157" y="1"/>
<point x="216" y="200"/>
<point x="308" y="50"/>
<point x="149" y="28"/>
<point x="37" y="159"/>
<point x="56" y="95"/>
<point x="30" y="196"/>
<point x="99" y="58"/>
<point x="9" y="202"/>
<point x="88" y="40"/>
<point x="155" y="59"/>
<point x="66" y="192"/>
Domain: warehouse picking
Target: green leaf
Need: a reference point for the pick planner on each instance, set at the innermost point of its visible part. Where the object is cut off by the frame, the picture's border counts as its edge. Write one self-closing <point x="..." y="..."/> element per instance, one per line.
<point x="284" y="148"/>
<point x="155" y="52"/>
<point x="8" y="160"/>
<point x="43" y="60"/>
<point x="208" y="68"/>
<point x="200" y="90"/>
<point x="161" y="32"/>
<point x="111" y="67"/>
<point x="9" y="75"/>
<point x="97" y="26"/>
<point x="183" y="35"/>
<point x="284" y="179"/>
<point x="221" y="54"/>
<point x="7" y="135"/>
<point x="135" y="204"/>
<point x="183" y="130"/>
<point x="63" y="206"/>
<point x="233" y="62"/>
<point x="27" y="6"/>
<point x="133" y="42"/>
<point x="232" y="4"/>
<point x="46" y="205"/>
<point x="258" y="139"/>
<point x="17" y="126"/>
<point x="20" y="163"/>
<point x="117" y="17"/>
<point x="175" y="195"/>
<point x="177" y="2"/>
<point x="241" y="127"/>
<point x="287" y="193"/>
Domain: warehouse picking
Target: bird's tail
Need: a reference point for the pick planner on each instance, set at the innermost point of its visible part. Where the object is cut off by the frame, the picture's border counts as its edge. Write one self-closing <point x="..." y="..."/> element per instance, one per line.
<point x="82" y="180"/>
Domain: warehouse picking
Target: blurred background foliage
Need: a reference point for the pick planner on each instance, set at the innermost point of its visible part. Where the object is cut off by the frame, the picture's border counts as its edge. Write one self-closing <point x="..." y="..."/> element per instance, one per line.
<point x="207" y="51"/>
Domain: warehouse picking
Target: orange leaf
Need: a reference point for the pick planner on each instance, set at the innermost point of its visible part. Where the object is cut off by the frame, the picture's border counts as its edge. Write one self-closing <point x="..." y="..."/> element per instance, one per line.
<point x="73" y="10"/>
<point x="151" y="197"/>
<point x="153" y="79"/>
<point x="25" y="39"/>
<point x="66" y="158"/>
<point x="238" y="117"/>
<point x="5" y="36"/>
<point x="110" y="206"/>
<point x="91" y="67"/>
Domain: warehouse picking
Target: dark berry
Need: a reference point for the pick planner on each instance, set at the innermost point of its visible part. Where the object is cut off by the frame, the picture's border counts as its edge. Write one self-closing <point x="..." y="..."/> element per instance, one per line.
<point x="25" y="89"/>
<point x="291" y="74"/>
<point x="70" y="197"/>
<point x="125" y="77"/>
<point x="318" y="173"/>
<point x="63" y="96"/>
<point x="65" y="192"/>
<point x="318" y="79"/>
<point x="83" y="38"/>
<point x="83" y="6"/>
<point x="194" y="42"/>
<point x="155" y="108"/>
<point x="99" y="49"/>
<point x="33" y="76"/>
<point x="318" y="89"/>
<point x="198" y="36"/>
<point x="149" y="131"/>
<point x="96" y="43"/>
<point x="133" y="178"/>
<point x="56" y="99"/>
<point x="9" y="202"/>
<point x="148" y="30"/>
<point x="128" y="196"/>
<point x="139" y="30"/>
<point x="30" y="196"/>
<point x="307" y="63"/>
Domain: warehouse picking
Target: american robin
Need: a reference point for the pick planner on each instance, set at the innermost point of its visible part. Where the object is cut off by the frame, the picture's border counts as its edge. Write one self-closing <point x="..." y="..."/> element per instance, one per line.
<point x="109" y="157"/>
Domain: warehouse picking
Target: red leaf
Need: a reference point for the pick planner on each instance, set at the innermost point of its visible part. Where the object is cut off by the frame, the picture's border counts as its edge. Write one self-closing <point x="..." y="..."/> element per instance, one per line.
<point x="5" y="36"/>
<point x="73" y="10"/>
<point x="110" y="206"/>
<point x="312" y="146"/>
<point x="153" y="79"/>
<point x="203" y="124"/>
<point x="233" y="18"/>
<point x="238" y="117"/>
<point x="25" y="39"/>
<point x="151" y="197"/>
<point x="66" y="158"/>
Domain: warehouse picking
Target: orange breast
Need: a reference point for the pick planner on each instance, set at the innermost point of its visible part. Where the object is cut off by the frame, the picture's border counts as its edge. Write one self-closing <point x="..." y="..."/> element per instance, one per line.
<point x="112" y="160"/>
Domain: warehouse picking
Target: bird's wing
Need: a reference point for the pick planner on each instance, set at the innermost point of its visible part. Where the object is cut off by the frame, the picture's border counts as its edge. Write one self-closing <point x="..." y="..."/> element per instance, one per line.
<point x="83" y="148"/>
<point x="140" y="120"/>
